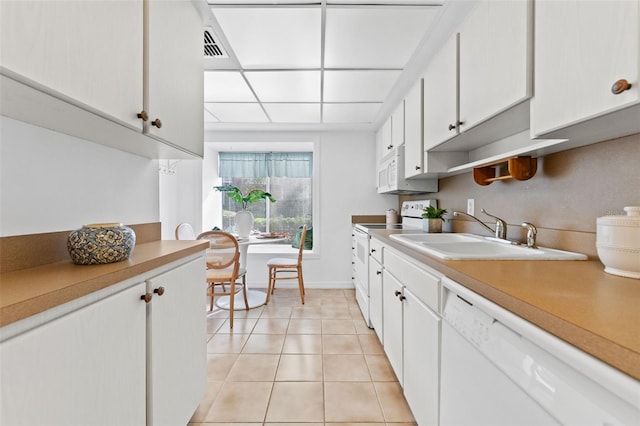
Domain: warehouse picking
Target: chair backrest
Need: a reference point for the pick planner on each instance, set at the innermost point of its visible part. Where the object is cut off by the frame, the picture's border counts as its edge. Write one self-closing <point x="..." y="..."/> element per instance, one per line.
<point x="184" y="231"/>
<point x="223" y="249"/>
<point x="302" y="237"/>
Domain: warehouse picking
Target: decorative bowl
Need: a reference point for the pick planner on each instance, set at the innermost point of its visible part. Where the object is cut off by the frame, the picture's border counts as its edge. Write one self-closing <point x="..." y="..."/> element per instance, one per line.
<point x="618" y="243"/>
<point x="100" y="243"/>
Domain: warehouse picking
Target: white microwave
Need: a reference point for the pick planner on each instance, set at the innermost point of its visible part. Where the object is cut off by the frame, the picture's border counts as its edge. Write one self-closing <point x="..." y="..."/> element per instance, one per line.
<point x="391" y="176"/>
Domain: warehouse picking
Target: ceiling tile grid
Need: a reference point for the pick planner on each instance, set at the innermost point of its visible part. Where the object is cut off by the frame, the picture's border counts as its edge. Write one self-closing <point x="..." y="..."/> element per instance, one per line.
<point x="311" y="62"/>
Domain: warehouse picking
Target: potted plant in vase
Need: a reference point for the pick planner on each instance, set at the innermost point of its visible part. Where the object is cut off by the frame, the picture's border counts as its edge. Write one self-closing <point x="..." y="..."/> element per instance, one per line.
<point x="244" y="218"/>
<point x="432" y="219"/>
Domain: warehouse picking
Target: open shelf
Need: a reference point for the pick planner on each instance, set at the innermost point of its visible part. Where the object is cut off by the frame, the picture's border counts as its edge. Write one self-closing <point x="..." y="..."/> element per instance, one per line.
<point x="519" y="168"/>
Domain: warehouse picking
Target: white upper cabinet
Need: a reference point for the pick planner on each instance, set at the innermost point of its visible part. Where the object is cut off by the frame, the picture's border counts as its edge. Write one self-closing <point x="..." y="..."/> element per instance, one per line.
<point x="175" y="74"/>
<point x="397" y="126"/>
<point x="582" y="49"/>
<point x="477" y="87"/>
<point x="441" y="95"/>
<point x="90" y="68"/>
<point x="383" y="139"/>
<point x="495" y="66"/>
<point x="413" y="132"/>
<point x="75" y="49"/>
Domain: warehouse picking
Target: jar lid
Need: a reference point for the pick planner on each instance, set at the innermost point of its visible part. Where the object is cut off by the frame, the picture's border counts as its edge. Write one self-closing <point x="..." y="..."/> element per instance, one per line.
<point x="632" y="218"/>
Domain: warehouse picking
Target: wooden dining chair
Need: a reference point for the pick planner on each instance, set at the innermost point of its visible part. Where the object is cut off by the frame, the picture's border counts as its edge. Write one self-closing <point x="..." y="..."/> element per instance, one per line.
<point x="291" y="269"/>
<point x="185" y="231"/>
<point x="223" y="269"/>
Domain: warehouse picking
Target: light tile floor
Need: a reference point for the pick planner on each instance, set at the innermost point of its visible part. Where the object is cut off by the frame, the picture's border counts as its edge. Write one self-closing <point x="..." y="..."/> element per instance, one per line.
<point x="311" y="364"/>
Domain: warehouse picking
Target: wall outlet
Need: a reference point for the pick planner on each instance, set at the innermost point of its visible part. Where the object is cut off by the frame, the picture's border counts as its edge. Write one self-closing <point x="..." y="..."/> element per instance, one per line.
<point x="471" y="206"/>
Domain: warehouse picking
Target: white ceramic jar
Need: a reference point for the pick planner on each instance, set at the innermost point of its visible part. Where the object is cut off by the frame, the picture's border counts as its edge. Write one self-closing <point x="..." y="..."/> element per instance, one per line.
<point x="618" y="243"/>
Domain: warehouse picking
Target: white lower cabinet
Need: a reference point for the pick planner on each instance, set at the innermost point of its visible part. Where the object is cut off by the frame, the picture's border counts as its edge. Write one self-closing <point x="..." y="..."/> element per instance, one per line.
<point x="392" y="325"/>
<point x="113" y="359"/>
<point x="176" y="339"/>
<point x="411" y="325"/>
<point x="85" y="368"/>
<point x="375" y="297"/>
<point x="421" y="358"/>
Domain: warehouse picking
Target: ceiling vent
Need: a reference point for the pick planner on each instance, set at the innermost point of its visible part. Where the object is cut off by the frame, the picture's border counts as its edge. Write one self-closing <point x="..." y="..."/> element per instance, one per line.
<point x="212" y="48"/>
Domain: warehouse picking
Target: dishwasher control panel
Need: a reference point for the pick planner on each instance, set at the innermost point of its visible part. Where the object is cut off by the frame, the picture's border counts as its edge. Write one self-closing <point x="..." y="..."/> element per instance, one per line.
<point x="472" y="323"/>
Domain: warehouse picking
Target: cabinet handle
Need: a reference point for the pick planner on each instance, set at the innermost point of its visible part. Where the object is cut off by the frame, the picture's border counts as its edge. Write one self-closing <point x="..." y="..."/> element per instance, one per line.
<point x="397" y="293"/>
<point x="390" y="146"/>
<point x="157" y="123"/>
<point x="378" y="272"/>
<point x="402" y="298"/>
<point x="451" y="127"/>
<point x="373" y="250"/>
<point x="620" y="86"/>
<point x="417" y="167"/>
<point x="159" y="291"/>
<point x="142" y="115"/>
<point x="146" y="297"/>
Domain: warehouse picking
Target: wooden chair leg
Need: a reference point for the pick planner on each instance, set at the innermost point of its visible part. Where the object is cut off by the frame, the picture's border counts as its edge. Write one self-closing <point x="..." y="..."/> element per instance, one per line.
<point x="301" y="284"/>
<point x="210" y="289"/>
<point x="268" y="286"/>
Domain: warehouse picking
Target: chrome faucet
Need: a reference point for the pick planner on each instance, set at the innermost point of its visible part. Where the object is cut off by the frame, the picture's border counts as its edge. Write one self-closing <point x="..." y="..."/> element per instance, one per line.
<point x="531" y="234"/>
<point x="501" y="226"/>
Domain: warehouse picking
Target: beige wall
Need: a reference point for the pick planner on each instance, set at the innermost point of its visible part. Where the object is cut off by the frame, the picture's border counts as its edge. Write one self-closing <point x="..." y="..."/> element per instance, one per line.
<point x="569" y="191"/>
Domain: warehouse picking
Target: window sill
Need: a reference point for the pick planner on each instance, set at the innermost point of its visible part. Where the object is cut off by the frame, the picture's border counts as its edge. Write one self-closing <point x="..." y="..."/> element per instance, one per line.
<point x="276" y="249"/>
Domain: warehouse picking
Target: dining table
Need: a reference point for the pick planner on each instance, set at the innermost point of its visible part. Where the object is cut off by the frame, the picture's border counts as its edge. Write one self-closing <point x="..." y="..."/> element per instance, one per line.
<point x="255" y="298"/>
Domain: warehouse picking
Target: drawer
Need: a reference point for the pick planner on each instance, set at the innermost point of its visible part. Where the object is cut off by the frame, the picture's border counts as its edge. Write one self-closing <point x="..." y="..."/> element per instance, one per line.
<point x="375" y="249"/>
<point x="422" y="283"/>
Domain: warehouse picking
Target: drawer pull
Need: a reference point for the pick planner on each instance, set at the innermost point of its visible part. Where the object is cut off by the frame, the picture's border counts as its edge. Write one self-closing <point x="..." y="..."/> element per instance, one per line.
<point x="146" y="297"/>
<point x="373" y="250"/>
<point x="159" y="291"/>
<point x="378" y="272"/>
<point x="620" y="86"/>
<point x="157" y="123"/>
<point x="451" y="127"/>
<point x="397" y="293"/>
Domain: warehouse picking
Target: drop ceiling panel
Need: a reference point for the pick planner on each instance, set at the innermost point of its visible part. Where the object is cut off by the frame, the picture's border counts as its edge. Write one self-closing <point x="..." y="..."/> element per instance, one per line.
<point x="350" y="113"/>
<point x="374" y="37"/>
<point x="208" y="117"/>
<point x="293" y="113"/>
<point x="358" y="86"/>
<point x="285" y="86"/>
<point x="237" y="112"/>
<point x="273" y="37"/>
<point x="226" y="86"/>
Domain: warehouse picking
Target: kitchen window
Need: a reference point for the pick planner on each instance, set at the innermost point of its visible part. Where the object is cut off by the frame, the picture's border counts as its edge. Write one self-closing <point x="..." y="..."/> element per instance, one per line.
<point x="288" y="176"/>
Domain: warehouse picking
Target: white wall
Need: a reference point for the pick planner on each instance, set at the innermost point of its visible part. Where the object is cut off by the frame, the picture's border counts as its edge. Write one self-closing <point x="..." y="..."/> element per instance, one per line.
<point x="346" y="187"/>
<point x="54" y="182"/>
<point x="180" y="195"/>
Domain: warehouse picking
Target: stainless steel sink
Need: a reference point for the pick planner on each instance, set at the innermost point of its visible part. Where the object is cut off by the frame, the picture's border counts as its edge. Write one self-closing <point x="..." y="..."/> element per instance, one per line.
<point x="475" y="247"/>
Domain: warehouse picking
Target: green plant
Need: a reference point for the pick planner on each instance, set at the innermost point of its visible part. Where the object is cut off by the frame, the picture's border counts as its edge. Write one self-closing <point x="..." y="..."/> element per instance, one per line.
<point x="431" y="212"/>
<point x="236" y="195"/>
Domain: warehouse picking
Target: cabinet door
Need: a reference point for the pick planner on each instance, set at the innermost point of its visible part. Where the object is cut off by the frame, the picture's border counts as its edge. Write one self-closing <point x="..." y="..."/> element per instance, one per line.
<point x="383" y="139"/>
<point x="176" y="344"/>
<point x="582" y="48"/>
<point x="74" y="48"/>
<point x="397" y="126"/>
<point x="441" y="95"/>
<point x="85" y="368"/>
<point x="174" y="76"/>
<point x="495" y="52"/>
<point x="392" y="325"/>
<point x="413" y="151"/>
<point x="375" y="297"/>
<point x="421" y="359"/>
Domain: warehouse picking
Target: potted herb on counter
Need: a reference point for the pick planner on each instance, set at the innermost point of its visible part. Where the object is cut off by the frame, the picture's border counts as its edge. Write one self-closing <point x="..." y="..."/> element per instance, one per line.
<point x="432" y="219"/>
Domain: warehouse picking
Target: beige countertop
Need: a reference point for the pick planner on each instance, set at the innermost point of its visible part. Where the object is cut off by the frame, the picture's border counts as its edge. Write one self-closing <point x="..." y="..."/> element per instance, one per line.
<point x="574" y="300"/>
<point x="29" y="291"/>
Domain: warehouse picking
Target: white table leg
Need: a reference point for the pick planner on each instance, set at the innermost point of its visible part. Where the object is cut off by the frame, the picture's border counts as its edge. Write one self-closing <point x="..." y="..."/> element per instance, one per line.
<point x="254" y="297"/>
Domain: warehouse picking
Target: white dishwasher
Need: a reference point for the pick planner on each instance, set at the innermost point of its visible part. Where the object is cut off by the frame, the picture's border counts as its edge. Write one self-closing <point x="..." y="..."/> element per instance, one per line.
<point x="498" y="369"/>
